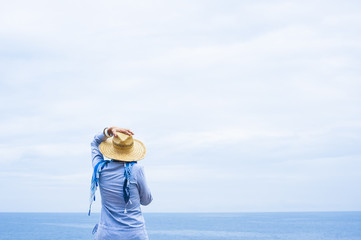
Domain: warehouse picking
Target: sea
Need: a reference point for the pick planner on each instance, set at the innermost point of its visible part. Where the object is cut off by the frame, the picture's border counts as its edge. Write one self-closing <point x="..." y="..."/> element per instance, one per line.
<point x="192" y="226"/>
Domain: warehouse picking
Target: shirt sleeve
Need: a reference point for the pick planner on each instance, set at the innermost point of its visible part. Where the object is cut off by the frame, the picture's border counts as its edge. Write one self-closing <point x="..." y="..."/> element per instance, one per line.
<point x="144" y="191"/>
<point x="97" y="156"/>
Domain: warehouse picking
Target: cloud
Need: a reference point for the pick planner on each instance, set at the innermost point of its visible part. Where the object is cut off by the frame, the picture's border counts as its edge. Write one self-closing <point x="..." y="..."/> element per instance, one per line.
<point x="269" y="89"/>
<point x="49" y="179"/>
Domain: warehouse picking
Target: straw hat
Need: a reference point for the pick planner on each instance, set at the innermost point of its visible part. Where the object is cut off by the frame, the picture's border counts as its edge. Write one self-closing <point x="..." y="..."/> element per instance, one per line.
<point x="123" y="148"/>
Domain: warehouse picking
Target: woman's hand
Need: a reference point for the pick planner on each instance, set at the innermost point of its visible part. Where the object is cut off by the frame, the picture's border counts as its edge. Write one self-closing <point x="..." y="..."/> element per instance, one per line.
<point x="114" y="130"/>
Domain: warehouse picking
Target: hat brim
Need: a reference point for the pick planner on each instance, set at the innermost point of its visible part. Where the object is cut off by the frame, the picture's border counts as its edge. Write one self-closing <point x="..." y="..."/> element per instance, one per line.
<point x="136" y="153"/>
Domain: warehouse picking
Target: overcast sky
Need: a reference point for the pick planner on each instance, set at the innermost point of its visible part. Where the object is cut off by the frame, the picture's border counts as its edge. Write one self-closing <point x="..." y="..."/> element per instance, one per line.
<point x="242" y="105"/>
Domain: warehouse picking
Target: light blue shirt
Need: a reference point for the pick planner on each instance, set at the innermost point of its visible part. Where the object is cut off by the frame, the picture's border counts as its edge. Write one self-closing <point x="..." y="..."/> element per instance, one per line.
<point x="117" y="219"/>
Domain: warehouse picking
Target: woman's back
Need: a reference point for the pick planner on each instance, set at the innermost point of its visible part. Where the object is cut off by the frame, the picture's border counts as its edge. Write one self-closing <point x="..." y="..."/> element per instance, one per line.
<point x="115" y="212"/>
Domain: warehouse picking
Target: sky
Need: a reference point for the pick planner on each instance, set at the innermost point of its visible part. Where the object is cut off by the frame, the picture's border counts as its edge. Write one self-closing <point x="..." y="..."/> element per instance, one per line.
<point x="244" y="106"/>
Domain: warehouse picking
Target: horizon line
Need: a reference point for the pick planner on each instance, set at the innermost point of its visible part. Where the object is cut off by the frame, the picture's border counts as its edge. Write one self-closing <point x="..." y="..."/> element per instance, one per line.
<point x="321" y="211"/>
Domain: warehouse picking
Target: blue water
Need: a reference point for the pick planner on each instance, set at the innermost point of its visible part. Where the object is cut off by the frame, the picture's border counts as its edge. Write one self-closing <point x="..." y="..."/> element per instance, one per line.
<point x="192" y="226"/>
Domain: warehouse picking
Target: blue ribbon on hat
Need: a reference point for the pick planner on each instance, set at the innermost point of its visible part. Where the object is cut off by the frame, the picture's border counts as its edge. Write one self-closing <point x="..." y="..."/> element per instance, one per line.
<point x="95" y="180"/>
<point x="127" y="174"/>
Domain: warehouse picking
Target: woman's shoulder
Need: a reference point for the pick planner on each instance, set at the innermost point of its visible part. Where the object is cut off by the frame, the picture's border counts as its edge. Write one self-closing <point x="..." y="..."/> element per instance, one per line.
<point x="138" y="170"/>
<point x="138" y="167"/>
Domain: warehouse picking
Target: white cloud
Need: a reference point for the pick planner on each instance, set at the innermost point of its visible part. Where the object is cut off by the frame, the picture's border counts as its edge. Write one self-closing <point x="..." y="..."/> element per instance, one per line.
<point x="276" y="82"/>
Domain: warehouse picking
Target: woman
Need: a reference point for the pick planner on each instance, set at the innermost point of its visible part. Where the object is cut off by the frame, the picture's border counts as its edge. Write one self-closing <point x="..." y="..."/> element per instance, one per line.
<point x="122" y="184"/>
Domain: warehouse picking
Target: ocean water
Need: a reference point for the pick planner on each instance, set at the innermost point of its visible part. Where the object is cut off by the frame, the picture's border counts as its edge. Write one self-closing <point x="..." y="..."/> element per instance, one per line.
<point x="192" y="226"/>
